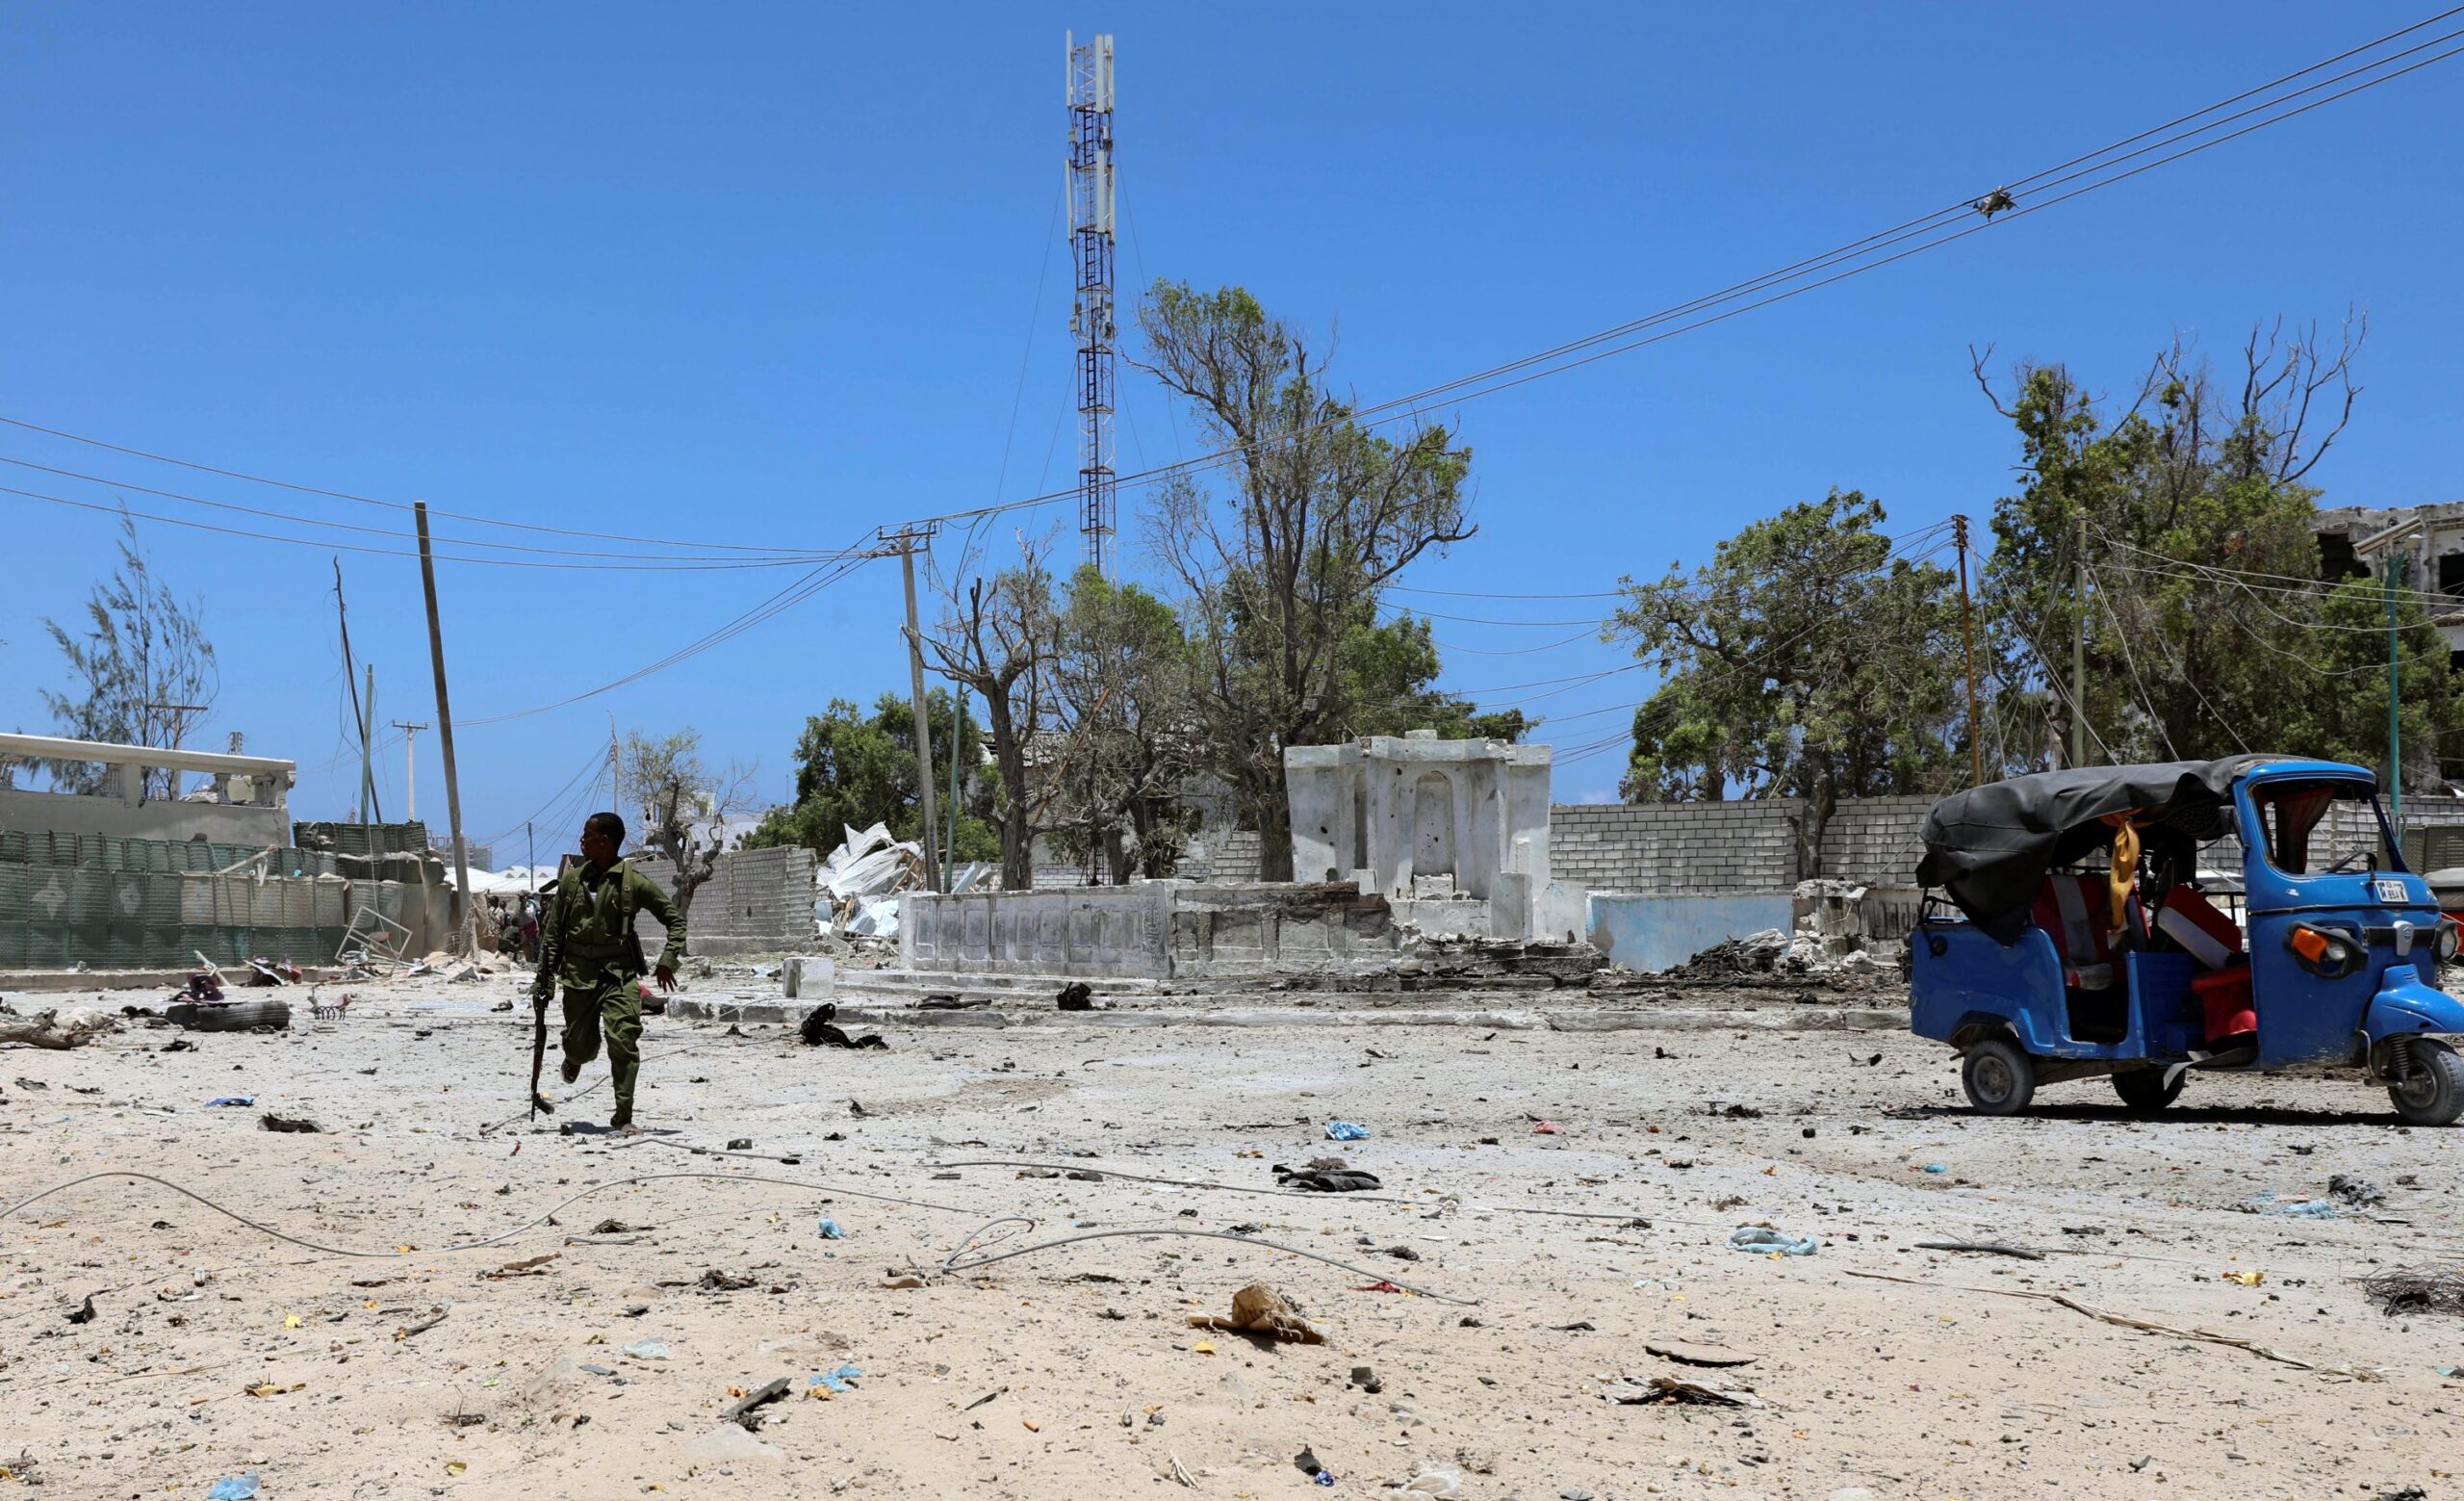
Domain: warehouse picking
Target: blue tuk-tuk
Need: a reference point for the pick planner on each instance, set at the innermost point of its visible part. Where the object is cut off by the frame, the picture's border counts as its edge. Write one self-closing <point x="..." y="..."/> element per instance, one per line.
<point x="2082" y="937"/>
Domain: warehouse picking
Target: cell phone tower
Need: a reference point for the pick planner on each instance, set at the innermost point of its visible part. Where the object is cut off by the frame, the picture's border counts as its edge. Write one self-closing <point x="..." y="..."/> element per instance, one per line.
<point x="1091" y="244"/>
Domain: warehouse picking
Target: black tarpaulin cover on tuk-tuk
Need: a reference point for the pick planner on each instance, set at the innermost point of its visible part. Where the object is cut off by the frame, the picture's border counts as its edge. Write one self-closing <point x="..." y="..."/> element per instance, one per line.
<point x="1990" y="846"/>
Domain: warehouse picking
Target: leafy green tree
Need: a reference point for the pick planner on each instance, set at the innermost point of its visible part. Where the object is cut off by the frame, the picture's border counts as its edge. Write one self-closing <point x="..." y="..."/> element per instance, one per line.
<point x="141" y="656"/>
<point x="1283" y="571"/>
<point x="2342" y="678"/>
<point x="2190" y="508"/>
<point x="1804" y="660"/>
<point x="854" y="770"/>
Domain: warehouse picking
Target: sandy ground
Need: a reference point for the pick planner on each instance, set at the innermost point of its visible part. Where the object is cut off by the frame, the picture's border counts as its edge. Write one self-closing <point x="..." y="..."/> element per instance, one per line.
<point x="1071" y="1372"/>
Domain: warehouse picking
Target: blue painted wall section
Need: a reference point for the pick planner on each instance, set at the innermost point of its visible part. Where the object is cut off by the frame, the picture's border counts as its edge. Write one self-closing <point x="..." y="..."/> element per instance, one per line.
<point x="1649" y="933"/>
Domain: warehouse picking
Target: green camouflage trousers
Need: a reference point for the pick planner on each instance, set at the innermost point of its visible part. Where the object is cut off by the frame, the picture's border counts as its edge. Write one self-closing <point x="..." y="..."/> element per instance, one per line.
<point x="616" y="1008"/>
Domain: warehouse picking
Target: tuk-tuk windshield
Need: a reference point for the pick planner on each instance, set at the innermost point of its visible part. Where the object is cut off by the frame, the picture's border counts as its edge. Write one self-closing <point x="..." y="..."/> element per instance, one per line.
<point x="2314" y="826"/>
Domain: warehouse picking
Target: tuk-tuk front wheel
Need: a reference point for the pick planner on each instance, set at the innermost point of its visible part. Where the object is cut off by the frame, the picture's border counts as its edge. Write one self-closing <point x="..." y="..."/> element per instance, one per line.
<point x="2427" y="1082"/>
<point x="2146" y="1091"/>
<point x="1999" y="1077"/>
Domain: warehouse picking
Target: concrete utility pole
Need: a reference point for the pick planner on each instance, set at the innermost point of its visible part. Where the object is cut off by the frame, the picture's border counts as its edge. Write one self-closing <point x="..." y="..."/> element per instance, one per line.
<point x="1967" y="634"/>
<point x="615" y="770"/>
<point x="410" y="768"/>
<point x="904" y="540"/>
<point x="366" y="753"/>
<point x="444" y="737"/>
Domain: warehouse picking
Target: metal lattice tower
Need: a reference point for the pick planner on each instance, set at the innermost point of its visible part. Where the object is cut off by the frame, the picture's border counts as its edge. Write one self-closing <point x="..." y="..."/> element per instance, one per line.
<point x="1090" y="244"/>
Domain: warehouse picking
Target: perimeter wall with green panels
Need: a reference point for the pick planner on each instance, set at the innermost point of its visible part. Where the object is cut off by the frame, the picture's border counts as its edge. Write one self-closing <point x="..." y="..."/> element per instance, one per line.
<point x="131" y="903"/>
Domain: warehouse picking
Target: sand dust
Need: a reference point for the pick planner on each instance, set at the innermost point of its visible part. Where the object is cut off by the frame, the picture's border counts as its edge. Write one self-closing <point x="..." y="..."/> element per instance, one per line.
<point x="1073" y="1372"/>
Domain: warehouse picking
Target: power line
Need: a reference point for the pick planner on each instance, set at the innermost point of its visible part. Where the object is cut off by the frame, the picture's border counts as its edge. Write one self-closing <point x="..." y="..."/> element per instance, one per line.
<point x="1915" y="228"/>
<point x="383" y="532"/>
<point x="364" y="500"/>
<point x="326" y="545"/>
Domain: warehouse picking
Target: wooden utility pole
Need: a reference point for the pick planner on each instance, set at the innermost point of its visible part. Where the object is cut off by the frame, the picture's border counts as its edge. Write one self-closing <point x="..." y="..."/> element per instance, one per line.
<point x="1967" y="634"/>
<point x="470" y="927"/>
<point x="410" y="768"/>
<point x="2079" y="653"/>
<point x="904" y="540"/>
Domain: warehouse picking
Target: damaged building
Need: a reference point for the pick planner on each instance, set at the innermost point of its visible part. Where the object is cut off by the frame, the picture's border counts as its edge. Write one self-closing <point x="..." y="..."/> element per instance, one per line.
<point x="2423" y="544"/>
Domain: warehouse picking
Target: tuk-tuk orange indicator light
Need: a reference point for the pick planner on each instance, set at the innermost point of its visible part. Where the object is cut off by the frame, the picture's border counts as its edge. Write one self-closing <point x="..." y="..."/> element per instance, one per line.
<point x="2310" y="943"/>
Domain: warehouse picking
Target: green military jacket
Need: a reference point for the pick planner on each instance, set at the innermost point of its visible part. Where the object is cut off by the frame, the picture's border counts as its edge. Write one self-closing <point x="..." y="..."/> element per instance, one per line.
<point x="587" y="942"/>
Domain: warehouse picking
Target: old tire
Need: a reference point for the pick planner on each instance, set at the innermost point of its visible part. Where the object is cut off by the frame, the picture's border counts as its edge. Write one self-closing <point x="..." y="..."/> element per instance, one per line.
<point x="2432" y="1091"/>
<point x="2145" y="1091"/>
<point x="238" y="1016"/>
<point x="1999" y="1077"/>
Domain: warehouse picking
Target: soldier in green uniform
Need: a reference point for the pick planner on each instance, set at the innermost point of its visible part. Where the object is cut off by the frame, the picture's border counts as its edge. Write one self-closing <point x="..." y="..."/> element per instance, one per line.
<point x="588" y="945"/>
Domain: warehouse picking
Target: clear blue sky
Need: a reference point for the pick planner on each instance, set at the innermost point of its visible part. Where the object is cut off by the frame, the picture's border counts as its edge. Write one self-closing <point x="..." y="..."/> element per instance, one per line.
<point x="767" y="274"/>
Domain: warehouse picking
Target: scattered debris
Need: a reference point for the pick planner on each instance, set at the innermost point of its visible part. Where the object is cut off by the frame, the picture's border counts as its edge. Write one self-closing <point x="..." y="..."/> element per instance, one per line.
<point x="1990" y="1248"/>
<point x="818" y="1032"/>
<point x="1327" y="1181"/>
<point x="436" y="1316"/>
<point x="1346" y="1131"/>
<point x="716" y="1281"/>
<point x="533" y="1266"/>
<point x="1366" y="1379"/>
<point x="1686" y="1352"/>
<point x="1306" y="1462"/>
<point x="1260" y="1310"/>
<point x="745" y="1413"/>
<point x="2425" y="1289"/>
<point x="234" y="1487"/>
<point x="2118" y="1320"/>
<point x="2359" y="1192"/>
<point x="84" y="1312"/>
<point x="2265" y="1201"/>
<point x="739" y="1143"/>
<point x="1679" y="1389"/>
<point x="1076" y="995"/>
<point x="288" y="1123"/>
<point x="1763" y="1240"/>
<point x="1548" y="1129"/>
<point x="240" y="1101"/>
<point x="647" y="1350"/>
<point x="831" y="1229"/>
<point x="841" y="1382"/>
<point x="49" y="1031"/>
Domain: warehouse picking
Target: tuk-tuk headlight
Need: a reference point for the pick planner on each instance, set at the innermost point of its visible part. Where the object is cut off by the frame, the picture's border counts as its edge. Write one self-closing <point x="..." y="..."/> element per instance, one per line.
<point x="2451" y="936"/>
<point x="2322" y="951"/>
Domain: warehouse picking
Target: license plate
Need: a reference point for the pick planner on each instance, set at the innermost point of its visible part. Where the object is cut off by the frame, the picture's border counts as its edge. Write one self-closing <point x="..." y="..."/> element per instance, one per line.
<point x="2390" y="893"/>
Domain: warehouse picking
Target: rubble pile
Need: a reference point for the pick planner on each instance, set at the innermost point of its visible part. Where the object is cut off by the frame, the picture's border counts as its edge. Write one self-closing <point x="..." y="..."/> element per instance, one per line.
<point x="860" y="883"/>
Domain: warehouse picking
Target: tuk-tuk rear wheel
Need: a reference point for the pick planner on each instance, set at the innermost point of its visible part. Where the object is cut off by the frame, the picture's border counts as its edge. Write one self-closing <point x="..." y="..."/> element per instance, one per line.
<point x="2430" y="1089"/>
<point x="2145" y="1091"/>
<point x="1999" y="1076"/>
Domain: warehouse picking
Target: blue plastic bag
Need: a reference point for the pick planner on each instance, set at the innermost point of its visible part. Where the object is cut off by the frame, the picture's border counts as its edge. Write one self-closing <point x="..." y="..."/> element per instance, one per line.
<point x="1763" y="1241"/>
<point x="233" y="1488"/>
<point x="839" y="1379"/>
<point x="242" y="1100"/>
<point x="831" y="1230"/>
<point x="1346" y="1131"/>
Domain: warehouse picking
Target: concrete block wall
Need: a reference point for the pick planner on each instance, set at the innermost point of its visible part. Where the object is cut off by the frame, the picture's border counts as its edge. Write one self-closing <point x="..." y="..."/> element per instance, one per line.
<point x="1693" y="848"/>
<point x="757" y="901"/>
<point x="1675" y="847"/>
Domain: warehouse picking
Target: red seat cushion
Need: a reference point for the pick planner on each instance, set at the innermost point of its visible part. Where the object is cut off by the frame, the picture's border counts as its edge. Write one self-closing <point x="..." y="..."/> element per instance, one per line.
<point x="2203" y="931"/>
<point x="2224" y="1003"/>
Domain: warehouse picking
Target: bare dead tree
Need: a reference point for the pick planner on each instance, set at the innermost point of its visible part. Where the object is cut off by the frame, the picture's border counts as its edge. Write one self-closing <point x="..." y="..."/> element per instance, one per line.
<point x="995" y="638"/>
<point x="683" y="805"/>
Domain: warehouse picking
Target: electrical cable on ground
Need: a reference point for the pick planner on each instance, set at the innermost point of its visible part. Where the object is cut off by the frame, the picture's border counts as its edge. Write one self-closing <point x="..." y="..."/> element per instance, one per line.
<point x="952" y="1262"/>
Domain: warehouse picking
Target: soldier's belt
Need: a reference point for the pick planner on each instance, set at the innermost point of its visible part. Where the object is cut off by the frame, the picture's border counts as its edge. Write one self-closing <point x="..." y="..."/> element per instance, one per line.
<point x="598" y="950"/>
